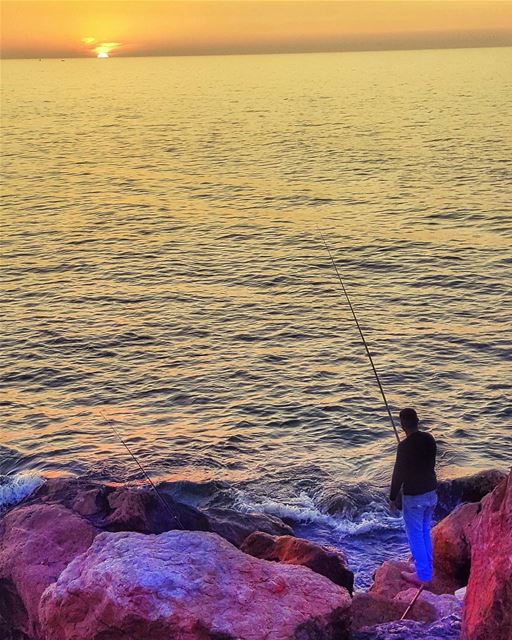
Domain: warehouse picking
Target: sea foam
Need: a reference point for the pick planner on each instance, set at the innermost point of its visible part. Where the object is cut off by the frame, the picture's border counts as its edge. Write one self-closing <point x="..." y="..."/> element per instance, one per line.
<point x="15" y="488"/>
<point x="303" y="510"/>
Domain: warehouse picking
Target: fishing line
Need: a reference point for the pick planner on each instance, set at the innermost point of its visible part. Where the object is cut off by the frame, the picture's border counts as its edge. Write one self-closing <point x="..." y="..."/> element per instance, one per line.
<point x="111" y="422"/>
<point x="361" y="334"/>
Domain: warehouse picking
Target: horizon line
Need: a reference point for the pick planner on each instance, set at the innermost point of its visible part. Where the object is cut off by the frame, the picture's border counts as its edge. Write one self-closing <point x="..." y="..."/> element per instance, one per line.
<point x="370" y="49"/>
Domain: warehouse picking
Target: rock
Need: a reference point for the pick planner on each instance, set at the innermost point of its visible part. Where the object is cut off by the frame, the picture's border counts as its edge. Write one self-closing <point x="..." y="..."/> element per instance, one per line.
<point x="437" y="606"/>
<point x="83" y="496"/>
<point x="327" y="561"/>
<point x="451" y="493"/>
<point x="13" y="615"/>
<point x="370" y="609"/>
<point x="121" y="508"/>
<point x="387" y="581"/>
<point x="236" y="526"/>
<point x="450" y="541"/>
<point x="452" y="551"/>
<point x="36" y="543"/>
<point x="445" y="629"/>
<point x="8" y="633"/>
<point x="189" y="586"/>
<point x="138" y="508"/>
<point x="488" y="601"/>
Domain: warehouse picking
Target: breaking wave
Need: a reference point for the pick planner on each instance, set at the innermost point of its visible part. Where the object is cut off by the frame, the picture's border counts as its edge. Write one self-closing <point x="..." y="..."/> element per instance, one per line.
<point x="303" y="510"/>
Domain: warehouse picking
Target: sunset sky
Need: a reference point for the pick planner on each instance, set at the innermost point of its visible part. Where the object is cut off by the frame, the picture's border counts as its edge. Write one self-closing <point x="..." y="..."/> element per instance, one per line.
<point x="65" y="28"/>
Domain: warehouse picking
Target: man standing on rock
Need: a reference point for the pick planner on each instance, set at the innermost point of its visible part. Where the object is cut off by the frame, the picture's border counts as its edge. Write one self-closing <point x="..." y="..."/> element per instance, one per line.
<point x="414" y="473"/>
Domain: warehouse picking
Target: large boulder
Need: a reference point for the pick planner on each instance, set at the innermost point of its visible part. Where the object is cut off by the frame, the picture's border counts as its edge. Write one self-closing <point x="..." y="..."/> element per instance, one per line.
<point x="36" y="543"/>
<point x="327" y="561"/>
<point x="235" y="526"/>
<point x="488" y="600"/>
<point x="451" y="493"/>
<point x="451" y="542"/>
<point x="189" y="586"/>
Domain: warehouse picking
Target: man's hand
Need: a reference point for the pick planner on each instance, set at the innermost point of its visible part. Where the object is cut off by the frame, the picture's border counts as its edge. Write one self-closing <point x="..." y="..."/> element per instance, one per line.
<point x="392" y="506"/>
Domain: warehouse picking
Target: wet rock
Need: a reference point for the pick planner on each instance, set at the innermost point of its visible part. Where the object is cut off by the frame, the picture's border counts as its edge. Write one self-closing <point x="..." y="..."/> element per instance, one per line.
<point x="329" y="562"/>
<point x="451" y="493"/>
<point x="488" y="600"/>
<point x="189" y="586"/>
<point x="67" y="491"/>
<point x="236" y="526"/>
<point x="84" y="497"/>
<point x="451" y="541"/>
<point x="120" y="508"/>
<point x="138" y="508"/>
<point x="36" y="543"/>
<point x="445" y="629"/>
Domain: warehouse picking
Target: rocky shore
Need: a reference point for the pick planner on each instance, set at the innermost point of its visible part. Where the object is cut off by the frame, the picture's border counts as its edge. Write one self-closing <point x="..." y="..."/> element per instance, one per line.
<point x="81" y="560"/>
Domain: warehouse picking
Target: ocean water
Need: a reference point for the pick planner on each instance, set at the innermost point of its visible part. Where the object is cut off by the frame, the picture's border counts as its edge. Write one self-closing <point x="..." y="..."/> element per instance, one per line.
<point x="162" y="266"/>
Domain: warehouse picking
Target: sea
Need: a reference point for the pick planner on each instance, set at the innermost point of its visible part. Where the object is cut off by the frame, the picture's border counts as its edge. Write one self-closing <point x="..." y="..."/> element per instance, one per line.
<point x="166" y="229"/>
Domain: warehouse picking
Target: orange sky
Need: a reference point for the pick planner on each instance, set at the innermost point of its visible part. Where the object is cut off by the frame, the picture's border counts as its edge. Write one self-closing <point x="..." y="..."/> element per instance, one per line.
<point x="65" y="28"/>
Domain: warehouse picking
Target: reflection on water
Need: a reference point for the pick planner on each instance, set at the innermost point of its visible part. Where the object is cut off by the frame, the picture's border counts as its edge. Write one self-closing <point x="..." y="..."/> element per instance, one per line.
<point x="162" y="266"/>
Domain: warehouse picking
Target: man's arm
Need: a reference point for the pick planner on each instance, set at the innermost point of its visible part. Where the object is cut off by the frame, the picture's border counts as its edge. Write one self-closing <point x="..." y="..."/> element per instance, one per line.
<point x="398" y="477"/>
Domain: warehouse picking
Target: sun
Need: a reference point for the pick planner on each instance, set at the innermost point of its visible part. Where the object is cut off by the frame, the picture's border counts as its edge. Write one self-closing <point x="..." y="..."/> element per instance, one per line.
<point x="100" y="49"/>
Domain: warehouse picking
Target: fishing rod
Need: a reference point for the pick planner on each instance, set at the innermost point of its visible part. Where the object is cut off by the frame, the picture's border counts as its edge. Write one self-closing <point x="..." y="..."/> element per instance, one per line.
<point x="111" y="422"/>
<point x="361" y="334"/>
<point x="420" y="590"/>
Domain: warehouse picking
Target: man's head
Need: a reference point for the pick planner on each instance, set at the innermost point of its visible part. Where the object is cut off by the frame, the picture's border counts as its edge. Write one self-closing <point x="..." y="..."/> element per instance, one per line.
<point x="409" y="420"/>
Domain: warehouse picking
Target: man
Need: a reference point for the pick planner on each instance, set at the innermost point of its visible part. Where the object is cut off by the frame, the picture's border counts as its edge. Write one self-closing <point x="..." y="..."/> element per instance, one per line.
<point x="414" y="473"/>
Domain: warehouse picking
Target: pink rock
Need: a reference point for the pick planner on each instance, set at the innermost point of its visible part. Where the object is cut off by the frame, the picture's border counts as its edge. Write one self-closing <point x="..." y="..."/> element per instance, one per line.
<point x="387" y="581"/>
<point x="488" y="601"/>
<point x="370" y="609"/>
<point x="327" y="561"/>
<point x="189" y="586"/>
<point x="36" y="543"/>
<point x="451" y="540"/>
